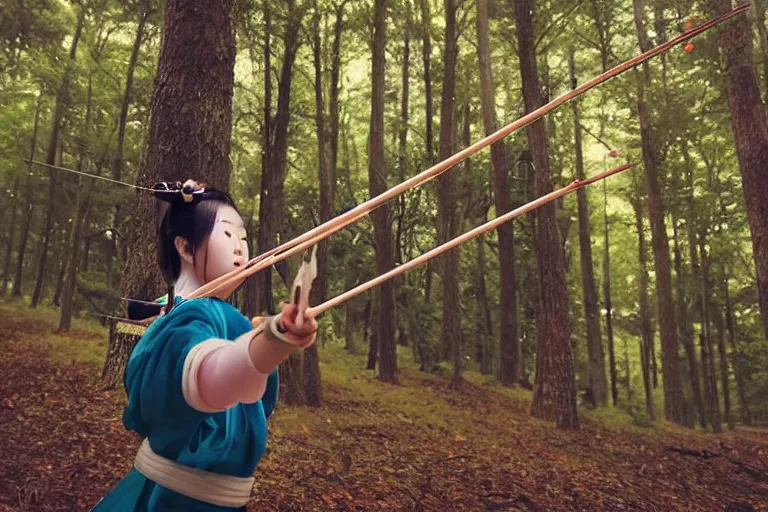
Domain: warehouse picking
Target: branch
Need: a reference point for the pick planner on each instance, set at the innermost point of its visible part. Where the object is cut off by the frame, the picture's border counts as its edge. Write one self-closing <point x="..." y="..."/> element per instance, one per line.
<point x="556" y="23"/>
<point x="598" y="139"/>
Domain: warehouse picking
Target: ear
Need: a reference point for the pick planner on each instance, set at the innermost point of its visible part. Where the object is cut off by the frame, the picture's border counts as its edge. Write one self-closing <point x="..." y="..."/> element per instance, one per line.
<point x="184" y="250"/>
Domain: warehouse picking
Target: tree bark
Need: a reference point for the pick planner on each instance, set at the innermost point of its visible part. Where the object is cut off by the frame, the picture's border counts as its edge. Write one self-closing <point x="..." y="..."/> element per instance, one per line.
<point x="763" y="38"/>
<point x="673" y="394"/>
<point x="750" y="133"/>
<point x="685" y="325"/>
<point x="738" y="366"/>
<point x="597" y="380"/>
<point x="11" y="239"/>
<point x="53" y="145"/>
<point x="485" y="325"/>
<point x="706" y="339"/>
<point x="59" y="247"/>
<point x="509" y="343"/>
<point x="29" y="195"/>
<point x="402" y="133"/>
<point x="334" y="88"/>
<point x="377" y="183"/>
<point x="554" y="395"/>
<point x="723" y="361"/>
<point x="254" y="289"/>
<point x="189" y="135"/>
<point x="426" y="21"/>
<point x="118" y="161"/>
<point x="271" y="205"/>
<point x="646" y="327"/>
<point x="608" y="303"/>
<point x="312" y="380"/>
<point x="82" y="203"/>
<point x="446" y="198"/>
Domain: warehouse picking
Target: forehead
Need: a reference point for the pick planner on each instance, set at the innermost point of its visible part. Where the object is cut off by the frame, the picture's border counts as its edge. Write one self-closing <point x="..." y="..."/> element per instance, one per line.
<point x="229" y="215"/>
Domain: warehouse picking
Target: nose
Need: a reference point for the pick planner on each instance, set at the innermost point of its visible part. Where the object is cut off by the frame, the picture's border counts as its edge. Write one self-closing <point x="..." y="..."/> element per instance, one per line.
<point x="239" y="249"/>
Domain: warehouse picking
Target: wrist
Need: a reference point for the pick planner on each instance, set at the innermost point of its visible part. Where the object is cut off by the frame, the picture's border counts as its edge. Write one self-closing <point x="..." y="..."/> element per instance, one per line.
<point x="269" y="346"/>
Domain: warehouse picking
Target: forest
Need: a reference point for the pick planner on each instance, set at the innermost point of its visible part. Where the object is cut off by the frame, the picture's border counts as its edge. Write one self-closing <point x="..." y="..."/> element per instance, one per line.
<point x="640" y="300"/>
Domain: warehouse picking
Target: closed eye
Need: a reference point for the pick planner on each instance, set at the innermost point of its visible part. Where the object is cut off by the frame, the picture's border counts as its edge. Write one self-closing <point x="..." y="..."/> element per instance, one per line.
<point x="229" y="235"/>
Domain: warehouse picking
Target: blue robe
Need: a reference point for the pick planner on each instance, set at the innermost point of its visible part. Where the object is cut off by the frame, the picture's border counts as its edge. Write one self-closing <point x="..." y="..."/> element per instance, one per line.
<point x="230" y="442"/>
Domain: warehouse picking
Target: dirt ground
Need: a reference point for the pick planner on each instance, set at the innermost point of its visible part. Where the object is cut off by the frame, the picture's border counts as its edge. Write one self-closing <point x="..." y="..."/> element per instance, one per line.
<point x="63" y="446"/>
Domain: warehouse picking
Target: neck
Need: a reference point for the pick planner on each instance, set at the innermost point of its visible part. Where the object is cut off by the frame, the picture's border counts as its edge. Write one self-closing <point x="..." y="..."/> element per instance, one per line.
<point x="187" y="281"/>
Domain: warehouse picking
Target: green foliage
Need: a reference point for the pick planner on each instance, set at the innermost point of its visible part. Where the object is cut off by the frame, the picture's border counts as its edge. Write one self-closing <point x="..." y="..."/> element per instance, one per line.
<point x="688" y="113"/>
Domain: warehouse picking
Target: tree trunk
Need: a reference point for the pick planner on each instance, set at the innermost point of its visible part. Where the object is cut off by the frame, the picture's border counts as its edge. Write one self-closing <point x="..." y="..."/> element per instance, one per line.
<point x="509" y="343"/>
<point x="271" y="207"/>
<point x="402" y="134"/>
<point x="59" y="247"/>
<point x="370" y="331"/>
<point x="29" y="201"/>
<point x="608" y="304"/>
<point x="53" y="145"/>
<point x="117" y="163"/>
<point x="706" y="340"/>
<point x="446" y="198"/>
<point x="312" y="381"/>
<point x="485" y="325"/>
<point x="349" y="327"/>
<point x="334" y="88"/>
<point x="554" y="395"/>
<point x="82" y="203"/>
<point x="86" y="257"/>
<point x="11" y="239"/>
<point x="646" y="327"/>
<point x="426" y="21"/>
<point x="750" y="133"/>
<point x="763" y="38"/>
<point x="377" y="183"/>
<point x="255" y="288"/>
<point x="673" y="394"/>
<point x="723" y="360"/>
<point x="686" y="327"/>
<point x="189" y="135"/>
<point x="597" y="379"/>
<point x="738" y="367"/>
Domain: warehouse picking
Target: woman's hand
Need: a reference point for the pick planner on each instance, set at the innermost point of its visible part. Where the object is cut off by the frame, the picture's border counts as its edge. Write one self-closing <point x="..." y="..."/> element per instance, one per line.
<point x="289" y="316"/>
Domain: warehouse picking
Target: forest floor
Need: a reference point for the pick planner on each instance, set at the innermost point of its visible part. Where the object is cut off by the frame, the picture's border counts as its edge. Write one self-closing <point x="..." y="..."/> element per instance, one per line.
<point x="373" y="446"/>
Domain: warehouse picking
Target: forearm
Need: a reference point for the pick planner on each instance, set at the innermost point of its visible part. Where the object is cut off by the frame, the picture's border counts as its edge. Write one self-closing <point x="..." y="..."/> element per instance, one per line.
<point x="219" y="374"/>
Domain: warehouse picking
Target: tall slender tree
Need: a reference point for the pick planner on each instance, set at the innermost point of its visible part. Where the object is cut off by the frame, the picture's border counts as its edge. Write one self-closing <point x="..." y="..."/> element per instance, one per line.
<point x="646" y="328"/>
<point x="554" y="394"/>
<point x="673" y="393"/>
<point x="597" y="380"/>
<point x="271" y="203"/>
<point x="118" y="161"/>
<point x="377" y="183"/>
<point x="750" y="133"/>
<point x="53" y="146"/>
<point x="509" y="343"/>
<point x="311" y="367"/>
<point x="446" y="198"/>
<point x="82" y="202"/>
<point x="29" y="192"/>
<point x="685" y="323"/>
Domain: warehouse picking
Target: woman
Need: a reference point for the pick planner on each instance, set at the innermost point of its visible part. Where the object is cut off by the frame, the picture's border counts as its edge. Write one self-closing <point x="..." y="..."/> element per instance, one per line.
<point x="202" y="381"/>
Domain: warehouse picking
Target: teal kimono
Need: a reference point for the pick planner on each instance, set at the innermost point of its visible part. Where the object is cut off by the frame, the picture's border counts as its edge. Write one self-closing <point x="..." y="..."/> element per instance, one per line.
<point x="230" y="442"/>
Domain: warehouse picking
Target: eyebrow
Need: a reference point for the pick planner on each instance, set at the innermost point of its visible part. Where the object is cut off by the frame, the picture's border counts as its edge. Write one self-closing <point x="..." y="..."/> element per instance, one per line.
<point x="232" y="224"/>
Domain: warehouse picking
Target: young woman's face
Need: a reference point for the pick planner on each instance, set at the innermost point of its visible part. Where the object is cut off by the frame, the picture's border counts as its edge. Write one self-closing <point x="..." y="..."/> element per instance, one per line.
<point x="226" y="248"/>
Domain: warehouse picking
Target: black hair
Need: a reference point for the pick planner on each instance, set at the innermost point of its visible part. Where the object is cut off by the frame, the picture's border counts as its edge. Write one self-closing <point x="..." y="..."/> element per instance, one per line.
<point x="191" y="220"/>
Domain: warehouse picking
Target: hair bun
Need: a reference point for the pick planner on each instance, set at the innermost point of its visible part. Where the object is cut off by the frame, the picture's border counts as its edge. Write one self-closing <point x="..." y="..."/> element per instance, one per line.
<point x="175" y="191"/>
